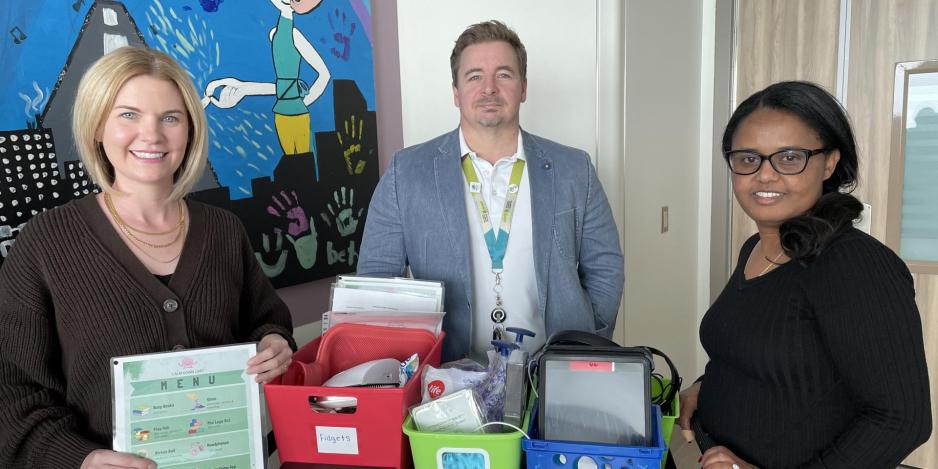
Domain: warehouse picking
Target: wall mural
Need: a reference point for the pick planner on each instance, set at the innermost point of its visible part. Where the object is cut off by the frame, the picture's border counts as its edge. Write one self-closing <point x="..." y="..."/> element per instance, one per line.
<point x="289" y="94"/>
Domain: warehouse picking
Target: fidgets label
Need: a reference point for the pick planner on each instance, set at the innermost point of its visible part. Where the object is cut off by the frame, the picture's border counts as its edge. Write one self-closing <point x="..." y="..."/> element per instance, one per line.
<point x="337" y="440"/>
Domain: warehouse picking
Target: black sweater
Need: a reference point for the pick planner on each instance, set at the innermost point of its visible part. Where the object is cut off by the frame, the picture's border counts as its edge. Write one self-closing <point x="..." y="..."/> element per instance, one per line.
<point x="818" y="366"/>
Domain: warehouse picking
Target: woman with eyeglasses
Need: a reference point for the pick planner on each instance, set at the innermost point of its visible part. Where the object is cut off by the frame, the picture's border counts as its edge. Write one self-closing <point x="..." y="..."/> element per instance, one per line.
<point x="815" y="344"/>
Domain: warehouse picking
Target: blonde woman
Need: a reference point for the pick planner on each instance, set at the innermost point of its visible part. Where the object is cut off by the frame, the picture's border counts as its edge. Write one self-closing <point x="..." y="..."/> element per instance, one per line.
<point x="134" y="269"/>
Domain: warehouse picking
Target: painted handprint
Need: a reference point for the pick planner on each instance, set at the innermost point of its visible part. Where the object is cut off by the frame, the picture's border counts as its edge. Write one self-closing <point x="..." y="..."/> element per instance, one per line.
<point x="289" y="208"/>
<point x="344" y="217"/>
<point x="275" y="269"/>
<point x="351" y="144"/>
<point x="343" y="30"/>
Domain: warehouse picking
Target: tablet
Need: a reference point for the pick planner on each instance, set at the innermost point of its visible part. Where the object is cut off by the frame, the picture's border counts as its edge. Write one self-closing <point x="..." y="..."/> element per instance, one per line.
<point x="597" y="395"/>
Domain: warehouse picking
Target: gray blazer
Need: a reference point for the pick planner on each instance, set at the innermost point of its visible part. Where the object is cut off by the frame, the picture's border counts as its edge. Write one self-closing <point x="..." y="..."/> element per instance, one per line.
<point x="417" y="217"/>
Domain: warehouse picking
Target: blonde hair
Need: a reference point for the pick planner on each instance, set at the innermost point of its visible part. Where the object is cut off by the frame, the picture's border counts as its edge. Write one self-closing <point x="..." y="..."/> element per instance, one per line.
<point x="96" y="93"/>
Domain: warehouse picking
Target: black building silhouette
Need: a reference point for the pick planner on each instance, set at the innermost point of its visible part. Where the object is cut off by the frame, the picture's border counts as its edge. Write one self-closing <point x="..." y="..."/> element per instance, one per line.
<point x="107" y="26"/>
<point x="294" y="179"/>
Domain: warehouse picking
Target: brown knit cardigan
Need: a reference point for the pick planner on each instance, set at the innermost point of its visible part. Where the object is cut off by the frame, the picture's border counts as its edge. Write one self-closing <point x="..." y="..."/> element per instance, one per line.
<point x="72" y="295"/>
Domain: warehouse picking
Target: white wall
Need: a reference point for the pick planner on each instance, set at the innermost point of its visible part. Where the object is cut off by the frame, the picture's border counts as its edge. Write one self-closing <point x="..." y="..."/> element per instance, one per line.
<point x="561" y="42"/>
<point x="662" y="142"/>
<point x="649" y="160"/>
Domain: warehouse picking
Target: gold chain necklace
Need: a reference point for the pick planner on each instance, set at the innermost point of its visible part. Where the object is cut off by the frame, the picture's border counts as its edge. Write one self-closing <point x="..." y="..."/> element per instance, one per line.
<point x="110" y="205"/>
<point x="131" y="237"/>
<point x="772" y="263"/>
<point x="152" y="245"/>
<point x="126" y="229"/>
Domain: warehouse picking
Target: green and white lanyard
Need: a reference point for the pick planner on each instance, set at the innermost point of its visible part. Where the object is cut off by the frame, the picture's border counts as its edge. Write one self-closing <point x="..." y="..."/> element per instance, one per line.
<point x="496" y="245"/>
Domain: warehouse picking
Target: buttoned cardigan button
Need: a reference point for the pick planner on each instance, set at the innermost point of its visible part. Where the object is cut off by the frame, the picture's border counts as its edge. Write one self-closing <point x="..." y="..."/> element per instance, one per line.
<point x="170" y="305"/>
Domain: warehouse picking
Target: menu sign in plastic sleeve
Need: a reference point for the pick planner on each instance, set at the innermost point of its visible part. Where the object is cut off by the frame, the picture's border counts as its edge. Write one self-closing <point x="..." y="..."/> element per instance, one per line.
<point x="187" y="409"/>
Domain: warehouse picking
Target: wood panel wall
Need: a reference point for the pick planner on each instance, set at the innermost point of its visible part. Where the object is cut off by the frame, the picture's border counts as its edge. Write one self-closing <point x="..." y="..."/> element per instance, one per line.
<point x="883" y="33"/>
<point x="778" y="40"/>
<point x="798" y="40"/>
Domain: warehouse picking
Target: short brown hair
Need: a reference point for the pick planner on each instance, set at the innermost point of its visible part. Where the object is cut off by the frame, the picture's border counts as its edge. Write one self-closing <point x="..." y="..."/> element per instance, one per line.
<point x="489" y="31"/>
<point x="96" y="93"/>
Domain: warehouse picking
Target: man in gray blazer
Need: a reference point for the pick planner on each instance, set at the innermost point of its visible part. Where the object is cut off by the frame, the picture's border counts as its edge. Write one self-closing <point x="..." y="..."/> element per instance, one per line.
<point x="516" y="226"/>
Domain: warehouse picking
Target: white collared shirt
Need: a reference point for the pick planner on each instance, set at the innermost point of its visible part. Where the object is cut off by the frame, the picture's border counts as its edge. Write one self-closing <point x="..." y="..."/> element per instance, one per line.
<point x="519" y="281"/>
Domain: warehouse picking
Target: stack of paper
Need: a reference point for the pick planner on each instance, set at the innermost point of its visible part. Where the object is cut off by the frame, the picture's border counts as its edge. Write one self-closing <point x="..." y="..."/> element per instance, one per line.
<point x="395" y="302"/>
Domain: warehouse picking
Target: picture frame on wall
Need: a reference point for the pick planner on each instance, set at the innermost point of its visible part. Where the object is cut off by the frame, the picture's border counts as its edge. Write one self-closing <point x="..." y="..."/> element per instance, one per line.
<point x="912" y="214"/>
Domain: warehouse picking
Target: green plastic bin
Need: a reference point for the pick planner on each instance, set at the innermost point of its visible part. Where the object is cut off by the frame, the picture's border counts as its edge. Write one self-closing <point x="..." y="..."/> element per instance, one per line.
<point x="667" y="419"/>
<point x="481" y="450"/>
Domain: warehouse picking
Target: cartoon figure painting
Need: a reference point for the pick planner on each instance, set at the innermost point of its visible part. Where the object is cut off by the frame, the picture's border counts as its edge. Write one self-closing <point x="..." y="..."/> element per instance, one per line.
<point x="293" y="96"/>
<point x="298" y="164"/>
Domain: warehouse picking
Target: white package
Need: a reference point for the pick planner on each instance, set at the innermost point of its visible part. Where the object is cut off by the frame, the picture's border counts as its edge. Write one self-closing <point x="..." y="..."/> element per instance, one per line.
<point x="440" y="382"/>
<point x="459" y="412"/>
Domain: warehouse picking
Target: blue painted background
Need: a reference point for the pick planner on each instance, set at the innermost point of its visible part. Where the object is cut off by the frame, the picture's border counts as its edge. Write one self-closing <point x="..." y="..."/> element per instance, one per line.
<point x="231" y="40"/>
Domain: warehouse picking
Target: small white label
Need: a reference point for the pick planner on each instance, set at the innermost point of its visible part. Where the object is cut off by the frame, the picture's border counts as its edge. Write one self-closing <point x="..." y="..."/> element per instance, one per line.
<point x="475" y="187"/>
<point x="337" y="440"/>
<point x="866" y="219"/>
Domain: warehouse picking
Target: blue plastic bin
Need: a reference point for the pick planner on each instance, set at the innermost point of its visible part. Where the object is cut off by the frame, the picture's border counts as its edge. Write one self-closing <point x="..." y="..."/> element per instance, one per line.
<point x="551" y="454"/>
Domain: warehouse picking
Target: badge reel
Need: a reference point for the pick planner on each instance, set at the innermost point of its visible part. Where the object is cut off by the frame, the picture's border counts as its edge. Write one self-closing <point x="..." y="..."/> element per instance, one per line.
<point x="498" y="314"/>
<point x="498" y="317"/>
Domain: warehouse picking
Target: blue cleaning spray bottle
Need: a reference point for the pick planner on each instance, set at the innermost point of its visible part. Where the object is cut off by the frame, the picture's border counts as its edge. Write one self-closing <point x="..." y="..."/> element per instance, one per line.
<point x="493" y="387"/>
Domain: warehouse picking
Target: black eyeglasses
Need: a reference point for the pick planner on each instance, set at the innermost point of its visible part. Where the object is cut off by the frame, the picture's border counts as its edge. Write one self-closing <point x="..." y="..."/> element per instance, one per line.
<point x="787" y="162"/>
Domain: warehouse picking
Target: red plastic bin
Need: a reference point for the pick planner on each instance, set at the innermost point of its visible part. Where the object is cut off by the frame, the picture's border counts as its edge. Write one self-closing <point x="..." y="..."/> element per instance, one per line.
<point x="371" y="436"/>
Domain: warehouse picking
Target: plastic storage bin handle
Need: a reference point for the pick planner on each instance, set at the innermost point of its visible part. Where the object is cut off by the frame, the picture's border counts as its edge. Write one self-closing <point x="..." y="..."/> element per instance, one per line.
<point x="333" y="404"/>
